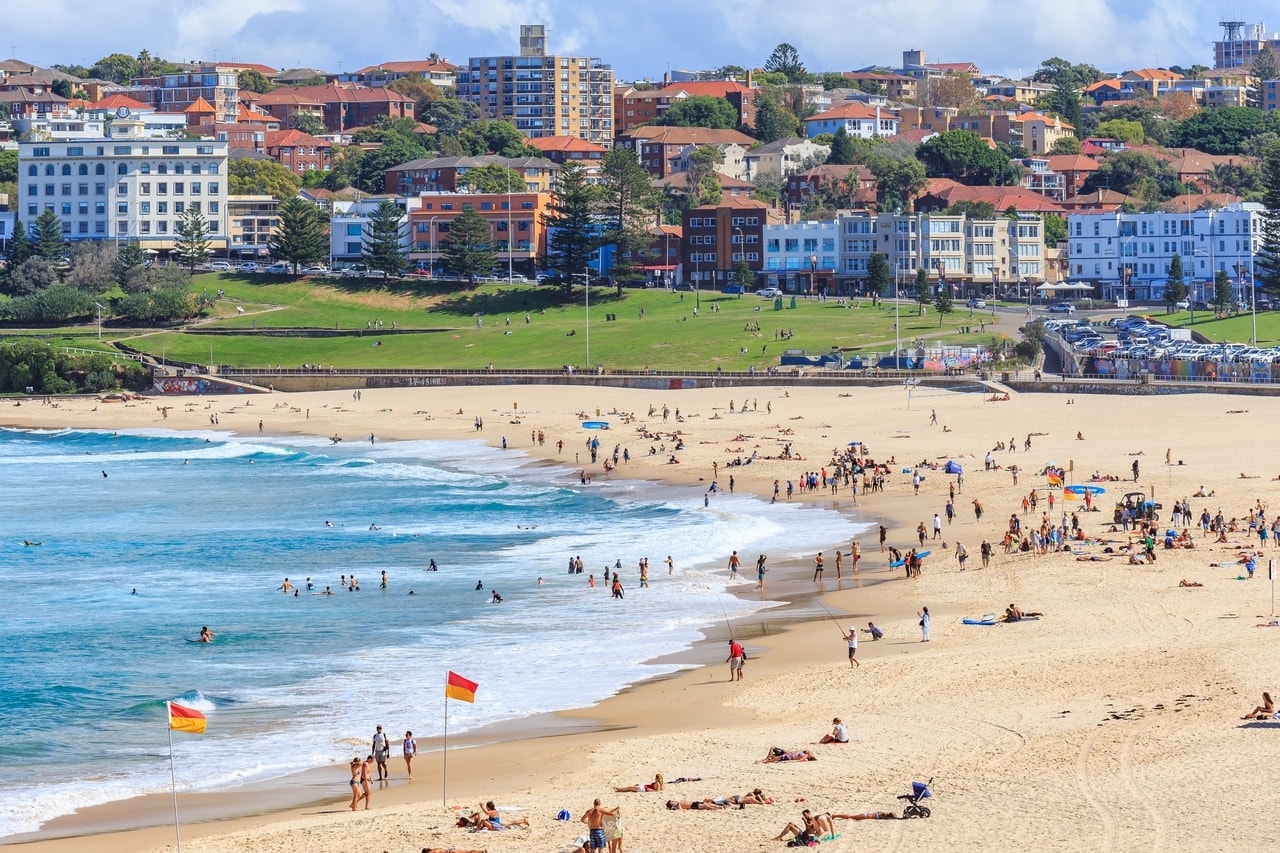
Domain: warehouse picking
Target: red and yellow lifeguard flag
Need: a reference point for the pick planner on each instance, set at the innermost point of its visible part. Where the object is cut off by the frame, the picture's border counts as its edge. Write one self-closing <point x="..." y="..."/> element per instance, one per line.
<point x="1055" y="479"/>
<point x="457" y="687"/>
<point x="184" y="719"/>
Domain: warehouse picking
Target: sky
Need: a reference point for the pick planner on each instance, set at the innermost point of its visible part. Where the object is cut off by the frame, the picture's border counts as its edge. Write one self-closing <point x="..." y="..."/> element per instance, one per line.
<point x="640" y="40"/>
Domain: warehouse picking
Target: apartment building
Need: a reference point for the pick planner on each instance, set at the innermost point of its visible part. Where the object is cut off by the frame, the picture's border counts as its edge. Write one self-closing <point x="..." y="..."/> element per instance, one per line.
<point x="543" y="94"/>
<point x="801" y="257"/>
<point x="517" y="227"/>
<point x="448" y="174"/>
<point x="718" y="236"/>
<point x="342" y="106"/>
<point x="297" y="151"/>
<point x="251" y="220"/>
<point x="896" y="87"/>
<point x="976" y="256"/>
<point x="783" y="157"/>
<point x="1128" y="254"/>
<point x="217" y="85"/>
<point x="656" y="147"/>
<point x="125" y="186"/>
<point x="634" y="106"/>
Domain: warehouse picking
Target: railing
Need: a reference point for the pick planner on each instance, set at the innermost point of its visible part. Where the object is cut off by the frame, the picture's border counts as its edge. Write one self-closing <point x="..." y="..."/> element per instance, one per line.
<point x="108" y="353"/>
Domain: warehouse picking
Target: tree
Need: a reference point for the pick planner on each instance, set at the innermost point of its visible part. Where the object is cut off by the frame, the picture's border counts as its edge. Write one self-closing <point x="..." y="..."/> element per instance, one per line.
<point x="877" y="275"/>
<point x="1267" y="266"/>
<point x="1264" y="68"/>
<point x="20" y="247"/>
<point x="724" y="72"/>
<point x="953" y="91"/>
<point x="131" y="262"/>
<point x="1222" y="130"/>
<point x="424" y="92"/>
<point x="469" y="253"/>
<point x="262" y="177"/>
<point x="1055" y="230"/>
<point x="923" y="295"/>
<point x="1236" y="178"/>
<point x="450" y="115"/>
<point x="31" y="276"/>
<point x="898" y="182"/>
<point x="704" y="186"/>
<point x="572" y="231"/>
<point x="117" y="67"/>
<point x="8" y="166"/>
<point x="743" y="275"/>
<point x="92" y="266"/>
<point x="1125" y="130"/>
<point x="1056" y="69"/>
<point x="1179" y="106"/>
<point x="842" y="149"/>
<point x="308" y="123"/>
<point x="383" y="244"/>
<point x="495" y="137"/>
<point x="1175" y="286"/>
<point x="1223" y="298"/>
<point x="301" y="237"/>
<point x="942" y="303"/>
<point x="785" y="59"/>
<point x="1136" y="173"/>
<point x="1065" y="101"/>
<point x="493" y="178"/>
<point x="1065" y="145"/>
<point x="700" y="111"/>
<point x="48" y="240"/>
<point x="773" y="121"/>
<point x="192" y="246"/>
<point x="253" y="81"/>
<point x="962" y="155"/>
<point x="630" y="203"/>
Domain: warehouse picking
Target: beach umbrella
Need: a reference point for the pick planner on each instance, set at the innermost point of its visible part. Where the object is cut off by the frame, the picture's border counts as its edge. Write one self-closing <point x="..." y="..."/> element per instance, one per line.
<point x="952" y="467"/>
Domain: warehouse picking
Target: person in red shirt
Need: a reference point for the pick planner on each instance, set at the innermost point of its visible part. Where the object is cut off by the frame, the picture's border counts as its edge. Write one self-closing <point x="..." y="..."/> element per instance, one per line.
<point x="737" y="656"/>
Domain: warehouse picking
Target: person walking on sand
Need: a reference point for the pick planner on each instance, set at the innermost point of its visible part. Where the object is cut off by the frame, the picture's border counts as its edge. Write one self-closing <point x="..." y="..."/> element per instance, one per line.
<point x="884" y="533"/>
<point x="852" y="639"/>
<point x="856" y="554"/>
<point x="366" y="781"/>
<point x="734" y="564"/>
<point x="962" y="554"/>
<point x="410" y="747"/>
<point x="937" y="526"/>
<point x="839" y="564"/>
<point x="381" y="752"/>
<point x="355" y="783"/>
<point x="761" y="570"/>
<point x="818" y="566"/>
<point x="737" y="657"/>
<point x="924" y="624"/>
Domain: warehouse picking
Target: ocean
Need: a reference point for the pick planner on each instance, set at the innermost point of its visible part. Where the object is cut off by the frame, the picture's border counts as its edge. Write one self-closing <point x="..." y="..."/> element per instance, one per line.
<point x="206" y="526"/>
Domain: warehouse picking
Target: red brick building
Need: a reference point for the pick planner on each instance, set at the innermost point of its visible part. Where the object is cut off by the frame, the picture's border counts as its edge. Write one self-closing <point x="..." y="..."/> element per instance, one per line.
<point x="299" y="151"/>
<point x="340" y="106"/>
<point x="655" y="146"/>
<point x="716" y="236"/>
<point x="633" y="107"/>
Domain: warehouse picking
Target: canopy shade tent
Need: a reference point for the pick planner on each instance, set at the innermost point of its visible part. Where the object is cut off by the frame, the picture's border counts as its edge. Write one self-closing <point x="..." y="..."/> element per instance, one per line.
<point x="952" y="467"/>
<point x="1071" y="288"/>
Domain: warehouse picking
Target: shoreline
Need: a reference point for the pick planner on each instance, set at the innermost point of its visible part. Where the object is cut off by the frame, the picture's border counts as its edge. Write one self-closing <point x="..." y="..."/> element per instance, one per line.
<point x="1067" y="714"/>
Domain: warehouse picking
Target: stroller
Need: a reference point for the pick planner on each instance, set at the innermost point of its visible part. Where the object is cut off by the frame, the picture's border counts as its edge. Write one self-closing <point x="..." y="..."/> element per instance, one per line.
<point x="919" y="791"/>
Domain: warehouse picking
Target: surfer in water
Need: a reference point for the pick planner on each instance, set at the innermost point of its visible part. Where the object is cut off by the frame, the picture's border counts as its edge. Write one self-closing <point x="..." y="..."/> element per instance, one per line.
<point x="206" y="636"/>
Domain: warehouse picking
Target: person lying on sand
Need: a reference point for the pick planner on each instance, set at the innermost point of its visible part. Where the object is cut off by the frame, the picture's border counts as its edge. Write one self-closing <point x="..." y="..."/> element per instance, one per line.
<point x="451" y="850"/>
<point x="693" y="805"/>
<point x="755" y="797"/>
<point x="1013" y="614"/>
<point x="776" y="754"/>
<point x="1185" y="582"/>
<point x="1263" y="711"/>
<point x="656" y="785"/>
<point x="866" y="816"/>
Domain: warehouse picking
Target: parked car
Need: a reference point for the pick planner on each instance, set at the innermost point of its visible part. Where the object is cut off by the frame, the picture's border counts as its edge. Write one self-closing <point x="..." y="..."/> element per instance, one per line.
<point x="768" y="293"/>
<point x="975" y="302"/>
<point x="1061" y="308"/>
<point x="315" y="269"/>
<point x="248" y="266"/>
<point x="279" y="268"/>
<point x="220" y="266"/>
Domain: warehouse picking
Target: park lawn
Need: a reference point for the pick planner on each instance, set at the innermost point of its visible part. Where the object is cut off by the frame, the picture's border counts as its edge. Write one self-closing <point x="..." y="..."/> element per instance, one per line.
<point x="446" y="335"/>
<point x="1237" y="328"/>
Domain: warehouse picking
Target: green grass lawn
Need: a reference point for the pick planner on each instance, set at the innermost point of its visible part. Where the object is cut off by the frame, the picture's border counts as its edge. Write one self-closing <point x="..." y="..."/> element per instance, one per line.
<point x="1237" y="328"/>
<point x="445" y="332"/>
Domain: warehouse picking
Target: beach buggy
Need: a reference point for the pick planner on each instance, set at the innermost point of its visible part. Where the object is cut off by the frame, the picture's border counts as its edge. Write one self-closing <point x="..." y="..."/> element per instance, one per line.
<point x="919" y="792"/>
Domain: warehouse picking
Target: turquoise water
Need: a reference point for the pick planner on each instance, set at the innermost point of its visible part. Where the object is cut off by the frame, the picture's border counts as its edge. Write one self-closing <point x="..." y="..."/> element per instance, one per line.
<point x="206" y="526"/>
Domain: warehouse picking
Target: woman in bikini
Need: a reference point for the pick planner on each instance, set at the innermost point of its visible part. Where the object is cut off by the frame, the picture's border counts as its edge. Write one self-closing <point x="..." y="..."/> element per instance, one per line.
<point x="366" y="781"/>
<point x="355" y="783"/>
<point x="1263" y="711"/>
<point x="656" y="785"/>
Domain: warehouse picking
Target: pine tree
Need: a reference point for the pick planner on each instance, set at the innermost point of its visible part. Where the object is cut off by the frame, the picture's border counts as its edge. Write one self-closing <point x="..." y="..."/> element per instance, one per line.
<point x="301" y="237"/>
<point x="130" y="261"/>
<point x="942" y="303"/>
<point x="572" y="230"/>
<point x="1267" y="266"/>
<point x="1223" y="297"/>
<point x="631" y="204"/>
<point x="842" y="150"/>
<point x="877" y="275"/>
<point x="192" y="246"/>
<point x="1264" y="68"/>
<point x="1176" y="286"/>
<point x="923" y="296"/>
<point x="20" y="247"/>
<point x="383" y="248"/>
<point x="469" y="253"/>
<point x="48" y="242"/>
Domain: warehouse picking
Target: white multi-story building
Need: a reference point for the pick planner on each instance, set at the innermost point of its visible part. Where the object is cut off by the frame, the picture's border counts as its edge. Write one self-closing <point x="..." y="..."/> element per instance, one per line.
<point x="125" y="186"/>
<point x="1127" y="255"/>
<point x="971" y="255"/>
<point x="349" y="227"/>
<point x="797" y="252"/>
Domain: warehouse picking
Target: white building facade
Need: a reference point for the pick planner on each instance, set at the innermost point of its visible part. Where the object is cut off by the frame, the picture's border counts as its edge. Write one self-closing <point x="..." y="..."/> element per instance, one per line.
<point x="1127" y="255"/>
<point x="125" y="186"/>
<point x="795" y="253"/>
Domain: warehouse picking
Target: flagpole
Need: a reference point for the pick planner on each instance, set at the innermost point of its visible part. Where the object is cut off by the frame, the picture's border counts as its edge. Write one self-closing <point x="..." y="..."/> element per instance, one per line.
<point x="444" y="785"/>
<point x="173" y="777"/>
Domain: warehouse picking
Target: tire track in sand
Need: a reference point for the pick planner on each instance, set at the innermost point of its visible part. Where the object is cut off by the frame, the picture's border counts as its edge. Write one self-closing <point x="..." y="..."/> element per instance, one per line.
<point x="1086" y="781"/>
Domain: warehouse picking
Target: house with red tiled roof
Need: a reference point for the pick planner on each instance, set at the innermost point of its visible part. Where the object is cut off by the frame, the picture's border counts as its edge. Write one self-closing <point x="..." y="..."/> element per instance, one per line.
<point x="264" y="70"/>
<point x="1002" y="199"/>
<point x="1151" y="82"/>
<point x="915" y="136"/>
<point x="633" y="106"/>
<point x="200" y="112"/>
<point x="299" y="152"/>
<point x="437" y="71"/>
<point x="677" y="183"/>
<point x="340" y="106"/>
<point x="656" y="145"/>
<point x="1075" y="169"/>
<point x="1191" y="202"/>
<point x="1105" y="200"/>
<point x="1194" y="168"/>
<point x="111" y="103"/>
<point x="1105" y="91"/>
<point x="856" y="119"/>
<point x="854" y="182"/>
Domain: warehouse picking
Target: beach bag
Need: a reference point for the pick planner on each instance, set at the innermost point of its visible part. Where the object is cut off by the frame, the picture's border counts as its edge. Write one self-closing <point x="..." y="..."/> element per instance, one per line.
<point x="563" y="814"/>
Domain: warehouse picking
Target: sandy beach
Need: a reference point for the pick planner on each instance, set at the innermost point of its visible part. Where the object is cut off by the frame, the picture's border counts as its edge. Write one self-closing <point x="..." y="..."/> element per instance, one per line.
<point x="1112" y="722"/>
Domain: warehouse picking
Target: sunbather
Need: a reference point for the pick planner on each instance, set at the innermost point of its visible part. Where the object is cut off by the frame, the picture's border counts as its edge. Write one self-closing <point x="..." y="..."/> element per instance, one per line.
<point x="866" y="816"/>
<point x="815" y="826"/>
<point x="1263" y="711"/>
<point x="656" y="785"/>
<point x="694" y="805"/>
<point x="779" y="754"/>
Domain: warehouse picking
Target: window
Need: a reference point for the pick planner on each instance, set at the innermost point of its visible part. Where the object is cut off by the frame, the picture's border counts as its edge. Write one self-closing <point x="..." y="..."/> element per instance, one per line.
<point x="162" y="207"/>
<point x="50" y="171"/>
<point x="213" y="207"/>
<point x="163" y="169"/>
<point x="213" y="188"/>
<point x="31" y="209"/>
<point x="66" y="208"/>
<point x="179" y="207"/>
<point x="144" y="169"/>
<point x="32" y="189"/>
<point x="171" y="150"/>
<point x="99" y="227"/>
<point x="82" y="189"/>
<point x="162" y="188"/>
<point x="40" y="152"/>
<point x="48" y="189"/>
<point x="66" y="189"/>
<point x="122" y="169"/>
<point x="144" y="207"/>
<point x="123" y="150"/>
<point x="83" y="208"/>
<point x="100" y="169"/>
<point x="162" y="227"/>
<point x="178" y="188"/>
<point x="100" y="207"/>
<point x="122" y="188"/>
<point x="33" y="170"/>
<point x="178" y="169"/>
<point x="146" y="226"/>
<point x="122" y="208"/>
<point x="195" y="188"/>
<point x="195" y="168"/>
<point x="213" y="168"/>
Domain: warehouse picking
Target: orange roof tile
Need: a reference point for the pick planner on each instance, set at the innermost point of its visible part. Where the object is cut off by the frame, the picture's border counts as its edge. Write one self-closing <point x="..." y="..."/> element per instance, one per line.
<point x="116" y="101"/>
<point x="565" y="143"/>
<point x="201" y="106"/>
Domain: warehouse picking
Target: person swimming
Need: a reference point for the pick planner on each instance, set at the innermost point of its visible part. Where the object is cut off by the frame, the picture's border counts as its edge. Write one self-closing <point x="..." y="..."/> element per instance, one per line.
<point x="206" y="636"/>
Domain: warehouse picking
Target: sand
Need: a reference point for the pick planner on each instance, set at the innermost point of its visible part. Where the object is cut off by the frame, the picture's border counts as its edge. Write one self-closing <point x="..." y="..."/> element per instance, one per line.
<point x="1112" y="722"/>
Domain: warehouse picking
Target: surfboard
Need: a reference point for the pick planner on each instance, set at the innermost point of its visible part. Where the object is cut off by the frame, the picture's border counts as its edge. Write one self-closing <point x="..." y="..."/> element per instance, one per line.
<point x="899" y="563"/>
<point x="978" y="621"/>
<point x="190" y="640"/>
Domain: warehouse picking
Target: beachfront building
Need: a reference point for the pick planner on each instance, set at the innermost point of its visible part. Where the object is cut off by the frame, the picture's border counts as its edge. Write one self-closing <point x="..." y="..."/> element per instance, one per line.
<point x="517" y="227"/>
<point x="717" y="236"/>
<point x="800" y="257"/>
<point x="251" y="220"/>
<point x="971" y="256"/>
<point x="543" y="94"/>
<point x="1127" y="255"/>
<point x="125" y="185"/>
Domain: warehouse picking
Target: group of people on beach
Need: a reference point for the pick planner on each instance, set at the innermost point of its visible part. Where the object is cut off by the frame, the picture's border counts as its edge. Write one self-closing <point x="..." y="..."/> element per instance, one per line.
<point x="379" y="754"/>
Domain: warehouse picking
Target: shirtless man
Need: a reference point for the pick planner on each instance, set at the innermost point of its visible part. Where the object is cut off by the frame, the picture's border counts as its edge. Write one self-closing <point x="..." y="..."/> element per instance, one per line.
<point x="206" y="636"/>
<point x="594" y="819"/>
